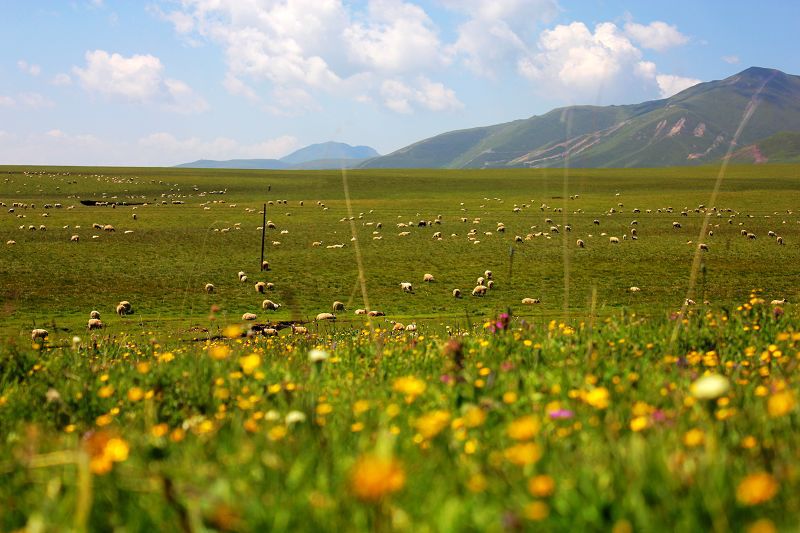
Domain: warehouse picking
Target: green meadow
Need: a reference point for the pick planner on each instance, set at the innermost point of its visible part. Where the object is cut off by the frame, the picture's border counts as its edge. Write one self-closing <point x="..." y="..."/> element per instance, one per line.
<point x="598" y="409"/>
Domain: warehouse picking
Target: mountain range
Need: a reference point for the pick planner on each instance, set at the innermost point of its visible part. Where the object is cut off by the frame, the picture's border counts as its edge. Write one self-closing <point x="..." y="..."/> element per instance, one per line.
<point x="694" y="126"/>
<point x="328" y="155"/>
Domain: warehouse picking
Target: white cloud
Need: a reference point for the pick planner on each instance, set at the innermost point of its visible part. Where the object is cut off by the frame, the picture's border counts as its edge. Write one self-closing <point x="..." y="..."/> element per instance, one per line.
<point x="7" y="101"/>
<point x="657" y="35"/>
<point x="281" y="55"/>
<point x="403" y="98"/>
<point x="138" y="78"/>
<point x="400" y="37"/>
<point x="61" y="79"/>
<point x="670" y="85"/>
<point x="35" y="101"/>
<point x="731" y="60"/>
<point x="29" y="68"/>
<point x="183" y="150"/>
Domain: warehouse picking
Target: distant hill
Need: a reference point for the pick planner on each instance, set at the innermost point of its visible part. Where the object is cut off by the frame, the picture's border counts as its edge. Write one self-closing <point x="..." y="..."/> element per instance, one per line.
<point x="329" y="155"/>
<point x="783" y="147"/>
<point x="694" y="126"/>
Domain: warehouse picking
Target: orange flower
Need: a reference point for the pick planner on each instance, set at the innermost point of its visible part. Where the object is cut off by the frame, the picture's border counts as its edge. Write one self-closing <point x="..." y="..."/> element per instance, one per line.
<point x="757" y="488"/>
<point x="524" y="428"/>
<point x="104" y="450"/>
<point x="372" y="478"/>
<point x="541" y="486"/>
<point x="780" y="404"/>
<point x="523" y="454"/>
<point x="432" y="424"/>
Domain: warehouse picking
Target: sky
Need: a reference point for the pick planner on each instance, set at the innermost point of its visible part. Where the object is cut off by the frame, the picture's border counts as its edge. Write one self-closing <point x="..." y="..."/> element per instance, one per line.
<point x="162" y="82"/>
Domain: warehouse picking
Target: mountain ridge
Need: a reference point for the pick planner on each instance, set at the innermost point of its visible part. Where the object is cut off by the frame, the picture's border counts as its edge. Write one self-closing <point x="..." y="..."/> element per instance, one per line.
<point x="320" y="156"/>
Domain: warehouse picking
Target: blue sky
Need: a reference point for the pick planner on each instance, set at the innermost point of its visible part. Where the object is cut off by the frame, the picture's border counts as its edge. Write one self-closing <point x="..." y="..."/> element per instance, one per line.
<point x="115" y="82"/>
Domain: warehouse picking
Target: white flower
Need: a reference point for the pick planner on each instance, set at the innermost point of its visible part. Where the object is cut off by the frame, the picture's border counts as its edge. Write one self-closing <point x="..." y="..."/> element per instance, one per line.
<point x="272" y="415"/>
<point x="710" y="387"/>
<point x="293" y="417"/>
<point x="317" y="355"/>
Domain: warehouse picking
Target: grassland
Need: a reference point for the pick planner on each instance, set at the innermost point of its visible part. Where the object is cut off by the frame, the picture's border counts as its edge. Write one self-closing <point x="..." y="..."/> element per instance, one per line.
<point x="175" y="250"/>
<point x="565" y="416"/>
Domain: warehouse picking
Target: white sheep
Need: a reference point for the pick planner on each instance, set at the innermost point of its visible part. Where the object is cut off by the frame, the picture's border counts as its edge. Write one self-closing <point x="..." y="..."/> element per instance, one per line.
<point x="270" y="332"/>
<point x="269" y="305"/>
<point x="428" y="278"/>
<point x="260" y="287"/>
<point x="325" y="316"/>
<point x="241" y="275"/>
<point x="374" y="313"/>
<point x="264" y="265"/>
<point x="702" y="246"/>
<point x="210" y="288"/>
<point x="75" y="238"/>
<point x="406" y="286"/>
<point x="782" y="301"/>
<point x="580" y="243"/>
<point x="39" y="334"/>
<point x="779" y="240"/>
<point x="94" y="323"/>
<point x="480" y="281"/>
<point x="249" y="316"/>
<point x="676" y="225"/>
<point x="634" y="289"/>
<point x="456" y="293"/>
<point x="411" y="327"/>
<point x="338" y="306"/>
<point x="480" y="290"/>
<point x="11" y="243"/>
<point x="94" y="314"/>
<point x="530" y="301"/>
<point x="613" y="240"/>
<point x="361" y="311"/>
<point x="299" y="330"/>
<point x="397" y="326"/>
<point x="487" y="274"/>
<point x="490" y="284"/>
<point x="109" y="228"/>
<point x="270" y="286"/>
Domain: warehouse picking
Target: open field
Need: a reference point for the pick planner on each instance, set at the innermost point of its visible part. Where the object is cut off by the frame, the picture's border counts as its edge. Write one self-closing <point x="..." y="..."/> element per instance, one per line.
<point x="174" y="250"/>
<point x="625" y="414"/>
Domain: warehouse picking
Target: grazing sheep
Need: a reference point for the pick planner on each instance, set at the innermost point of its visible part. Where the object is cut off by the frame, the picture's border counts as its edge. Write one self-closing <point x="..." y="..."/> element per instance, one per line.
<point x="126" y="308"/>
<point x="480" y="290"/>
<point x="530" y="301"/>
<point x="406" y="286"/>
<point x="596" y="222"/>
<point x="411" y="327"/>
<point x="260" y="287"/>
<point x="779" y="240"/>
<point x="39" y="334"/>
<point x="94" y="323"/>
<point x="490" y="284"/>
<point x="264" y="265"/>
<point x="771" y="233"/>
<point x="249" y="316"/>
<point x="269" y="305"/>
<point x="397" y="326"/>
<point x="518" y="238"/>
<point x="270" y="332"/>
<point x="299" y="330"/>
<point x="613" y="240"/>
<point x="210" y="288"/>
<point x="688" y="302"/>
<point x="480" y="281"/>
<point x="374" y="313"/>
<point x="241" y="275"/>
<point x="75" y="238"/>
<point x="109" y="228"/>
<point x="325" y="316"/>
<point x="316" y="243"/>
<point x="743" y="232"/>
<point x="782" y="301"/>
<point x="338" y="306"/>
<point x="487" y="274"/>
<point x="361" y="311"/>
<point x="702" y="246"/>
<point x="134" y="216"/>
<point x="428" y="278"/>
<point x="751" y="236"/>
<point x="11" y="243"/>
<point x="456" y="293"/>
<point x="634" y="289"/>
<point x="243" y="279"/>
<point x="122" y="310"/>
<point x="580" y="243"/>
<point x="270" y="286"/>
<point x="94" y="314"/>
<point x="676" y="225"/>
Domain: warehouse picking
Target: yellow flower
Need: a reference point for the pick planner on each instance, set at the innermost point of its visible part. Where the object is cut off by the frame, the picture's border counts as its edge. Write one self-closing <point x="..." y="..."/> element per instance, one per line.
<point x="159" y="430"/>
<point x="524" y="428"/>
<point x="276" y="433"/>
<point x="763" y="525"/>
<point x="757" y="488"/>
<point x="105" y="391"/>
<point x="537" y="511"/>
<point x="541" y="486"/>
<point x="477" y="483"/>
<point x="598" y="398"/>
<point x="410" y="386"/>
<point x="232" y="332"/>
<point x="694" y="437"/>
<point x="710" y="387"/>
<point x="372" y="478"/>
<point x="135" y="394"/>
<point x="474" y="417"/>
<point x="432" y="424"/>
<point x="250" y="363"/>
<point x="360" y="406"/>
<point x="639" y="423"/>
<point x="509" y="397"/>
<point x="219" y="352"/>
<point x="780" y="404"/>
<point x="117" y="450"/>
<point x="523" y="454"/>
<point x="324" y="409"/>
<point x="103" y="420"/>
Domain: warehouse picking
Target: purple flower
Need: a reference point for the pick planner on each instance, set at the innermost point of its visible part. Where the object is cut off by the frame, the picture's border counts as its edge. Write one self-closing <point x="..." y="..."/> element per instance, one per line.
<point x="560" y="413"/>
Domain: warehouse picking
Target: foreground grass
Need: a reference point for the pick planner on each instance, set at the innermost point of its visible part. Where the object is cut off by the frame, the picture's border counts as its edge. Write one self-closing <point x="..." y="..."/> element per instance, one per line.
<point x="559" y="426"/>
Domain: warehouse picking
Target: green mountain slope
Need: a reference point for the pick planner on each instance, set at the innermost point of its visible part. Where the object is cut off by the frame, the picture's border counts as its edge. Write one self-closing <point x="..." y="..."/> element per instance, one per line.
<point x="695" y="126"/>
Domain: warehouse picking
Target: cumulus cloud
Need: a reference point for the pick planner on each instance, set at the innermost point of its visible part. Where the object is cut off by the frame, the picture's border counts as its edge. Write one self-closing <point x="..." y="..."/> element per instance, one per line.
<point x="6" y="101"/>
<point x="404" y="98"/>
<point x="670" y="85"/>
<point x="34" y="101"/>
<point x="139" y="79"/>
<point x="282" y="55"/>
<point x="61" y="79"/>
<point x="731" y="60"/>
<point x="657" y="35"/>
<point x="28" y="68"/>
<point x="170" y="147"/>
